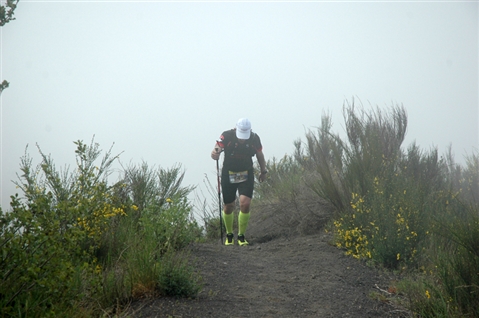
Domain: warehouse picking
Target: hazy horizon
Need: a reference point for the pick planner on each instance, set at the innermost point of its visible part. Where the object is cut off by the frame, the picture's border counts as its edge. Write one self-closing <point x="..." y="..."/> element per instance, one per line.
<point x="162" y="80"/>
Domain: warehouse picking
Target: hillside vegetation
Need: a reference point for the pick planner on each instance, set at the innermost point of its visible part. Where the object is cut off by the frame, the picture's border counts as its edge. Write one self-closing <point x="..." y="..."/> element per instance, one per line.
<point x="76" y="245"/>
<point x="404" y="209"/>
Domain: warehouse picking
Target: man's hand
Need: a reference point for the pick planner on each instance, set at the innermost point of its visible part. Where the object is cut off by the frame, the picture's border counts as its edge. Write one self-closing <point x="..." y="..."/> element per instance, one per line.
<point x="262" y="165"/>
<point x="262" y="176"/>
<point x="215" y="154"/>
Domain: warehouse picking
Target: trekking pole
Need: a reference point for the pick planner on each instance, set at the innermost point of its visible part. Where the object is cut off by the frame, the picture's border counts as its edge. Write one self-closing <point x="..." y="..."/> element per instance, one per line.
<point x="219" y="198"/>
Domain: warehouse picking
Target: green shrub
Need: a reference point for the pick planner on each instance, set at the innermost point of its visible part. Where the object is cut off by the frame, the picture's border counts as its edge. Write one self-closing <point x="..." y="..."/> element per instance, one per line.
<point x="77" y="246"/>
<point x="52" y="234"/>
<point x="426" y="299"/>
<point x="177" y="278"/>
<point x="401" y="209"/>
<point x="456" y="258"/>
<point x="159" y="222"/>
<point x="322" y="164"/>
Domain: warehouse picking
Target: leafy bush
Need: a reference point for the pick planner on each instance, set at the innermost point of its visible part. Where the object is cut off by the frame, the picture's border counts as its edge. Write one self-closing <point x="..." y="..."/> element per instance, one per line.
<point x="406" y="210"/>
<point x="53" y="233"/>
<point x="76" y="246"/>
<point x="449" y="283"/>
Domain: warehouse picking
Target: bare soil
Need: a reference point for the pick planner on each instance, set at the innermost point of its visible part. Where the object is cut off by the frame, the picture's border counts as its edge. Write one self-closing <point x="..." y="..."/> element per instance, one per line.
<point x="280" y="274"/>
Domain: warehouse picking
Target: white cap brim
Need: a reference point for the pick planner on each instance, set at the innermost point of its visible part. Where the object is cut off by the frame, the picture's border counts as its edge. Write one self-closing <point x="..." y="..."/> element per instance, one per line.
<point x="243" y="134"/>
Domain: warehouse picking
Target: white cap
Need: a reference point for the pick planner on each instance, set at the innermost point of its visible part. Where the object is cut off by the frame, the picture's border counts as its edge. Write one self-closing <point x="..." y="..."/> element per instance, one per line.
<point x="243" y="128"/>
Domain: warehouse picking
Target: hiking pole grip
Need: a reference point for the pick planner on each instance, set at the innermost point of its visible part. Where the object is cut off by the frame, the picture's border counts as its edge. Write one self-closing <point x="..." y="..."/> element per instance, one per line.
<point x="219" y="198"/>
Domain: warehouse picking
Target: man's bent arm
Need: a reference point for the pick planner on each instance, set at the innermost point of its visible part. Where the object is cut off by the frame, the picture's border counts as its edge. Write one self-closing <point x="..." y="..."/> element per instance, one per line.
<point x="261" y="161"/>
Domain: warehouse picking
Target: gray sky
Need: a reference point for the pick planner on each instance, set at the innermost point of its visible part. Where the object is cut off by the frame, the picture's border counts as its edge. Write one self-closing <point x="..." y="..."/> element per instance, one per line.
<point x="162" y="80"/>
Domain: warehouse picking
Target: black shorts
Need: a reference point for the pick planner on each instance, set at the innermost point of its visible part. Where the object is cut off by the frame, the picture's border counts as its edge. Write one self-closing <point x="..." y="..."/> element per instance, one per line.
<point x="229" y="189"/>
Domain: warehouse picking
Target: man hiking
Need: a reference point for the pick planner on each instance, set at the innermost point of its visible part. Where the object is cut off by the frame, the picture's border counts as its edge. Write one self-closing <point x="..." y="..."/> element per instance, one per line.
<point x="240" y="145"/>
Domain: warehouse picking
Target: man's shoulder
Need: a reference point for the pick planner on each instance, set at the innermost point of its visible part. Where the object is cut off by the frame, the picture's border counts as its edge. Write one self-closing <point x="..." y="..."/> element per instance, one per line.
<point x="228" y="133"/>
<point x="255" y="136"/>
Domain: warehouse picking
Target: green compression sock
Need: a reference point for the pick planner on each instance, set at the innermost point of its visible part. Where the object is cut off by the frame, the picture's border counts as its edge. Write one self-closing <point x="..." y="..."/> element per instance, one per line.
<point x="243" y="219"/>
<point x="228" y="218"/>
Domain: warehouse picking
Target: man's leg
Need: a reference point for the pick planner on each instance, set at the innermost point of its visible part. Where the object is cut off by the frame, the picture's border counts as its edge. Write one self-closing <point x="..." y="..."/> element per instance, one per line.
<point x="245" y="202"/>
<point x="245" y="190"/>
<point x="229" y="197"/>
<point x="228" y="216"/>
<point x="243" y="218"/>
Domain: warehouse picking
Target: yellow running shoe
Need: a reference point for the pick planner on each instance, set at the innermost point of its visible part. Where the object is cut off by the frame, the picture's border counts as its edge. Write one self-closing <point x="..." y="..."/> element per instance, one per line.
<point x="229" y="239"/>
<point x="241" y="240"/>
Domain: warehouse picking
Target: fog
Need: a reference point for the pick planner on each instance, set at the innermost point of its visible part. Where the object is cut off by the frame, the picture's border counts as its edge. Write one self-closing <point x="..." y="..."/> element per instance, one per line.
<point x="160" y="81"/>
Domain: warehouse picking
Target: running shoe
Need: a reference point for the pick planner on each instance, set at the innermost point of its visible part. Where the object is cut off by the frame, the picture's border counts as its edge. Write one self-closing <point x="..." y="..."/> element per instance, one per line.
<point x="229" y="239"/>
<point x="241" y="240"/>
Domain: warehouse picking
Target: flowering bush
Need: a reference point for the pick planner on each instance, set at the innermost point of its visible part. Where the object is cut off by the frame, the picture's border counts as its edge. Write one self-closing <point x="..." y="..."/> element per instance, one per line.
<point x="54" y="232"/>
<point x="402" y="209"/>
<point x="73" y="244"/>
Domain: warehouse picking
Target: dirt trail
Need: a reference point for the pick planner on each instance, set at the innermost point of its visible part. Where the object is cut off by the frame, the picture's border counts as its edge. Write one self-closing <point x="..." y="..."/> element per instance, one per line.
<point x="299" y="276"/>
